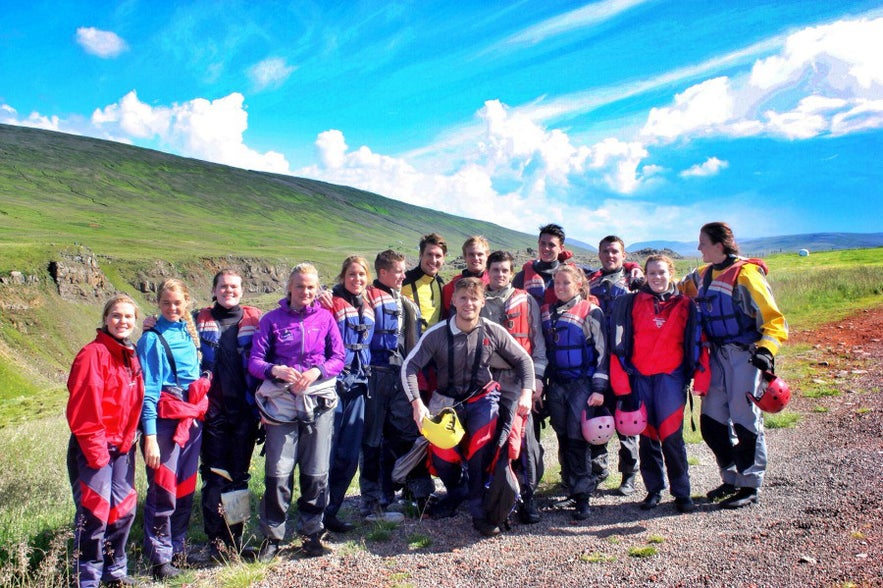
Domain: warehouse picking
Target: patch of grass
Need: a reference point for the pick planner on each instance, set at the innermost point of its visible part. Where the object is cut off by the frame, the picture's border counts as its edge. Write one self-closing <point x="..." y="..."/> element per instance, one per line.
<point x="863" y="410"/>
<point x="781" y="420"/>
<point x="614" y="539"/>
<point x="819" y="408"/>
<point x="419" y="541"/>
<point x="655" y="539"/>
<point x="644" y="551"/>
<point x="596" y="557"/>
<point x="239" y="575"/>
<point x="857" y="535"/>
<point x="693" y="460"/>
<point x="812" y="389"/>
<point x="381" y="531"/>
<point x="400" y="580"/>
<point x="691" y="436"/>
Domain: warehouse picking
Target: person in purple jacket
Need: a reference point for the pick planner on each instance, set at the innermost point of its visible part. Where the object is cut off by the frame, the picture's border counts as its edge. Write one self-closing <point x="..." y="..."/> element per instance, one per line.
<point x="296" y="351"/>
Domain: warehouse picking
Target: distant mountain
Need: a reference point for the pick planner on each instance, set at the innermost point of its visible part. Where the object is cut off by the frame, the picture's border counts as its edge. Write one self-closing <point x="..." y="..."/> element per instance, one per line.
<point x="780" y="244"/>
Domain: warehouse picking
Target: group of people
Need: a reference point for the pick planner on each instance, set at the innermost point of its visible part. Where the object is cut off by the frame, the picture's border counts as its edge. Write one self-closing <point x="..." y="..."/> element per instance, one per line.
<point x="345" y="380"/>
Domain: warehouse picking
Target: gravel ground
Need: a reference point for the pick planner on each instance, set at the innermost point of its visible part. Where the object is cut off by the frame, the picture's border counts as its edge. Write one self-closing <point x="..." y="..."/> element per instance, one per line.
<point x="818" y="522"/>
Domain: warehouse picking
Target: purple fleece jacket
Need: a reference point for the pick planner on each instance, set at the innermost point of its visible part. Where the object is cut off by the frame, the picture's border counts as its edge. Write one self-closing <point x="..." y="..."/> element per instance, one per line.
<point x="303" y="339"/>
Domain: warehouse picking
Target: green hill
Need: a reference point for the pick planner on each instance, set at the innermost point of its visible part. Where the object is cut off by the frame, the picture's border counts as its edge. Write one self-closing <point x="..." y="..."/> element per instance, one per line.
<point x="139" y="215"/>
<point x="131" y="203"/>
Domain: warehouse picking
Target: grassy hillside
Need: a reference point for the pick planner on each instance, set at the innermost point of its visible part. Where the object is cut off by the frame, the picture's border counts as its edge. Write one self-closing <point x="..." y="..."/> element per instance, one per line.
<point x="131" y="203"/>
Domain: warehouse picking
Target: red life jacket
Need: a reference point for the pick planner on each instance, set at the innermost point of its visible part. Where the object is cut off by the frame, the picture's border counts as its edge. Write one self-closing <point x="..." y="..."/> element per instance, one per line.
<point x="517" y="320"/>
<point x="535" y="285"/>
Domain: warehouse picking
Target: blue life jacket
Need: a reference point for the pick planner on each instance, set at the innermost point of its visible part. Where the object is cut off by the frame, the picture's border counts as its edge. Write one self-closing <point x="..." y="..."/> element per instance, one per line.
<point x="608" y="290"/>
<point x="570" y="355"/>
<point x="723" y="319"/>
<point x="356" y="330"/>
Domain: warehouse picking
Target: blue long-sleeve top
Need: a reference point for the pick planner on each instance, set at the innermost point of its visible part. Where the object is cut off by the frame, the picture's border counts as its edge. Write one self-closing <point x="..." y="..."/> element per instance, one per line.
<point x="157" y="370"/>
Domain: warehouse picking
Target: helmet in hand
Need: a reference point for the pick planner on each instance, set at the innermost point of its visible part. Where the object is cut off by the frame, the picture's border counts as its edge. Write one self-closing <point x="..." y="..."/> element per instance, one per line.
<point x="597" y="425"/>
<point x="774" y="394"/>
<point x="444" y="429"/>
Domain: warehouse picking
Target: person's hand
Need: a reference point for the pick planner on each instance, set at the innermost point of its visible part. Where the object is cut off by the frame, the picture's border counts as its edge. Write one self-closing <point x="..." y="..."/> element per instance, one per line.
<point x="762" y="359"/>
<point x="149" y="322"/>
<point x="304" y="380"/>
<point x="419" y="410"/>
<point x="525" y="402"/>
<point x="538" y="396"/>
<point x="151" y="451"/>
<point x="326" y="299"/>
<point x="595" y="399"/>
<point x="285" y="373"/>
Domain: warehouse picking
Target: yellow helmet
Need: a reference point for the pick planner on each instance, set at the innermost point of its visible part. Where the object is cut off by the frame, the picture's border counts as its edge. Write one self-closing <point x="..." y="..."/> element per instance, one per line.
<point x="444" y="429"/>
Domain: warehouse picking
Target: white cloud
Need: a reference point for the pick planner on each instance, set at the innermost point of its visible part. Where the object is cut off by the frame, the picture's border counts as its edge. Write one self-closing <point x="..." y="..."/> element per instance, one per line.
<point x="579" y="18"/>
<point x="270" y="73"/>
<point x="710" y="167"/>
<point x="825" y="80"/>
<point x="205" y="129"/>
<point x="101" y="43"/>
<point x="9" y="116"/>
<point x="696" y="110"/>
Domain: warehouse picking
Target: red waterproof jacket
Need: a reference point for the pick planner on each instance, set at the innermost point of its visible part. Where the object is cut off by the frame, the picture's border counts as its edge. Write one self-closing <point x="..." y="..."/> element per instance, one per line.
<point x="106" y="394"/>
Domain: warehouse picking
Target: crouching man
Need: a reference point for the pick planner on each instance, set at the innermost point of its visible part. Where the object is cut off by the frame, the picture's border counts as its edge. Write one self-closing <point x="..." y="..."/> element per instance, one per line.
<point x="462" y="348"/>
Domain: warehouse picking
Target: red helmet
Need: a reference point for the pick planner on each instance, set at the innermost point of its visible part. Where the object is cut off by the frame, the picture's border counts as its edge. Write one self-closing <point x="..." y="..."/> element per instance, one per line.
<point x="597" y="425"/>
<point x="774" y="394"/>
<point x="631" y="417"/>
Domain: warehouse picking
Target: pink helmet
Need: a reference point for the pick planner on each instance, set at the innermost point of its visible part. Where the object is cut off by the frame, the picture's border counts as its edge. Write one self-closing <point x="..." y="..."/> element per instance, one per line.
<point x="631" y="417"/>
<point x="597" y="425"/>
<point x="774" y="394"/>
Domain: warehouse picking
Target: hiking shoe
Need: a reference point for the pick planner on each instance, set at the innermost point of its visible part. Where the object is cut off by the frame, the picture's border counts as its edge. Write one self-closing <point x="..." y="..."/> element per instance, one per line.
<point x="335" y="525"/>
<point x="485" y="527"/>
<point x="581" y="509"/>
<point x="312" y="545"/>
<point x="528" y="513"/>
<point x="722" y="491"/>
<point x="627" y="486"/>
<point x="651" y="500"/>
<point x="165" y="571"/>
<point x="684" y="504"/>
<point x="269" y="550"/>
<point x="381" y="515"/>
<point x="743" y="497"/>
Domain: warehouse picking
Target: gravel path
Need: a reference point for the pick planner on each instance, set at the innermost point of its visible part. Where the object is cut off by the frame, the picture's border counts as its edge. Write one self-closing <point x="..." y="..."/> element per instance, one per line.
<point x="818" y="523"/>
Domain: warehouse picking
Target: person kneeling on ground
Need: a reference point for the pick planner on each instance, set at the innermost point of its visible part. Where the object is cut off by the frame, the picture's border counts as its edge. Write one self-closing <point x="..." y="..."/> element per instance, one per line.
<point x="462" y="348"/>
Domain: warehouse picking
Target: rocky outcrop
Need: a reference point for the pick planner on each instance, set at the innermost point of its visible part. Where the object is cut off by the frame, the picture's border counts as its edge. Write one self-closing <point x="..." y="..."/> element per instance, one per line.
<point x="78" y="276"/>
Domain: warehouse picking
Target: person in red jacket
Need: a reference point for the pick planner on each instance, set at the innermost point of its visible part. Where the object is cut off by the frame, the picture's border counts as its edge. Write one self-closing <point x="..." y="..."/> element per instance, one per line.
<point x="655" y="351"/>
<point x="103" y="410"/>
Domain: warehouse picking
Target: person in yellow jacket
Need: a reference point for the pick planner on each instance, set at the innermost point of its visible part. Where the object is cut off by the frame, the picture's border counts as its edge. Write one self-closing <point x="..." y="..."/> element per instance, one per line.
<point x="745" y="328"/>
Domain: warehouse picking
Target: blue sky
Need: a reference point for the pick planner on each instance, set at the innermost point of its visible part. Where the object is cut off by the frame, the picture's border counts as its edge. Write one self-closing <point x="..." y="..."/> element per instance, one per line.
<point x="637" y="117"/>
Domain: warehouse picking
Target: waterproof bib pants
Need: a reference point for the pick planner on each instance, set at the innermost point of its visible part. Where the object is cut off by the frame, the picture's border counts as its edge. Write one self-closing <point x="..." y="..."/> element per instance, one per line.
<point x="478" y="416"/>
<point x="662" y="447"/>
<point x="170" y="490"/>
<point x="105" y="499"/>
<point x="731" y="425"/>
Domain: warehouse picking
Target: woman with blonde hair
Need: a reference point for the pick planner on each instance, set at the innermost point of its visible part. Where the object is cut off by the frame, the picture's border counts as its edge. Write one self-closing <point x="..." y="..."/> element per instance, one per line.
<point x="170" y="420"/>
<point x="298" y="353"/>
<point x="355" y="319"/>
<point x="576" y="347"/>
<point x="106" y="393"/>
